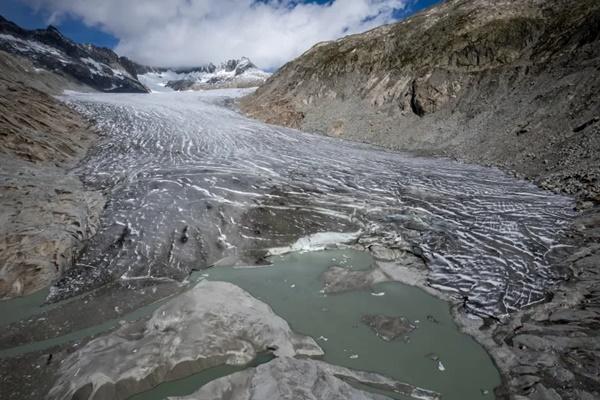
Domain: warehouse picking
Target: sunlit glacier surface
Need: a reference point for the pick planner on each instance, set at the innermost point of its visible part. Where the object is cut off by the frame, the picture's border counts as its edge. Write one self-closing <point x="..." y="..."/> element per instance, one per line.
<point x="190" y="180"/>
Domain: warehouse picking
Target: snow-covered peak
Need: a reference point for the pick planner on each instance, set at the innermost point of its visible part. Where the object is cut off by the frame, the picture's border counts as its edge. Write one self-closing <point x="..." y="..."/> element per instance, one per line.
<point x="233" y="73"/>
<point x="238" y="66"/>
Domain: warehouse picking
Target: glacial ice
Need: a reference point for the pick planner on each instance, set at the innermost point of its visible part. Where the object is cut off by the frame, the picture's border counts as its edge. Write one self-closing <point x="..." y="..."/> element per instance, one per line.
<point x="177" y="160"/>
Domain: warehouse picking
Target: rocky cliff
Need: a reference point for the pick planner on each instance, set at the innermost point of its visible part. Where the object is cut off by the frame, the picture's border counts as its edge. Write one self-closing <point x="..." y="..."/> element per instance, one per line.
<point x="511" y="83"/>
<point x="95" y="67"/>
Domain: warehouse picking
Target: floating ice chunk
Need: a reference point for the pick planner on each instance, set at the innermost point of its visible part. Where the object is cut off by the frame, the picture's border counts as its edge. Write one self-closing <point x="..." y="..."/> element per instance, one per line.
<point x="441" y="366"/>
<point x="293" y="285"/>
<point x="354" y="356"/>
<point x="378" y="294"/>
<point x="323" y="338"/>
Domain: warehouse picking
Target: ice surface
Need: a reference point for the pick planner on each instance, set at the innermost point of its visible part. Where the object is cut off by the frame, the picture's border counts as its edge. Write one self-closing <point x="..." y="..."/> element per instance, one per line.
<point x="184" y="159"/>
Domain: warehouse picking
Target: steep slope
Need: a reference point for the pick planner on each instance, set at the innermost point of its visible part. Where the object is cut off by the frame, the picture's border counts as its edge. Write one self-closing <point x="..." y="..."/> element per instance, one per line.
<point x="512" y="83"/>
<point x="240" y="73"/>
<point x="96" y="67"/>
<point x="45" y="212"/>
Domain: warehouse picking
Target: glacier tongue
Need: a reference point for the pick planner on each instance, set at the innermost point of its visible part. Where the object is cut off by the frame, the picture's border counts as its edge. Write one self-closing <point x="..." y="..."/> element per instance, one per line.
<point x="192" y="182"/>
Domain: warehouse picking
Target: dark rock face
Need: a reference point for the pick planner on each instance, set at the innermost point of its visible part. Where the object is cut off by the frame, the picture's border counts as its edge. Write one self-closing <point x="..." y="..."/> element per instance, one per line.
<point x="97" y="67"/>
<point x="511" y="83"/>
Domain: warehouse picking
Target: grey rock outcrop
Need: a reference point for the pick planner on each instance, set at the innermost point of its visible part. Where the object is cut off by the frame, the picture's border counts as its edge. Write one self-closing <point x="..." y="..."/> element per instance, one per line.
<point x="212" y="324"/>
<point x="289" y="378"/>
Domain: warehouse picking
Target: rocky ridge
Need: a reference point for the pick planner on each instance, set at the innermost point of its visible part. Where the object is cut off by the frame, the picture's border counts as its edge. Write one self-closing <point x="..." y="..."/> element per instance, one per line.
<point x="98" y="68"/>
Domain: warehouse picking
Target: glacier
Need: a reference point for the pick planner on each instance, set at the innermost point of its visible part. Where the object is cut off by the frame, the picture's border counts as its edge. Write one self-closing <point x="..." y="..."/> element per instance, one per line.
<point x="184" y="170"/>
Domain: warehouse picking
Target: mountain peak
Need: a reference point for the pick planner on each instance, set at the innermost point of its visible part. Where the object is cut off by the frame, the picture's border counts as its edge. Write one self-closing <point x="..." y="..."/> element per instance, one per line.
<point x="48" y="49"/>
<point x="240" y="65"/>
<point x="236" y="73"/>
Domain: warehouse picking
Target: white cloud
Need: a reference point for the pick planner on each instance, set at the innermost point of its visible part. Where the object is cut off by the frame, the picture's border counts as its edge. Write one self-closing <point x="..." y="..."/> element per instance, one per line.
<point x="192" y="32"/>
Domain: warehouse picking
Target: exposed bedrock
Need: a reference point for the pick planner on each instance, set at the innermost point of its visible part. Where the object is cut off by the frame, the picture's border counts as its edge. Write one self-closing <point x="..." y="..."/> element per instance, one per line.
<point x="45" y="212"/>
<point x="509" y="83"/>
<point x="290" y="378"/>
<point x="48" y="215"/>
<point x="212" y="324"/>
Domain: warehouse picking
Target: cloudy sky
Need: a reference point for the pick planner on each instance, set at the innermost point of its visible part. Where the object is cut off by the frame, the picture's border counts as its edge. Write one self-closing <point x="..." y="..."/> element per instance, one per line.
<point x="192" y="32"/>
